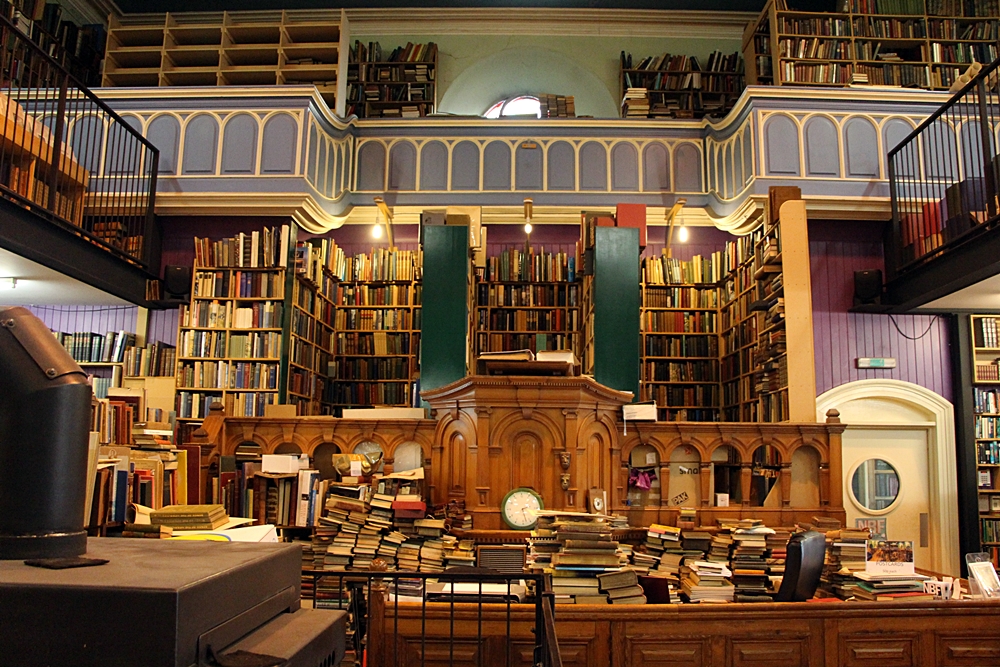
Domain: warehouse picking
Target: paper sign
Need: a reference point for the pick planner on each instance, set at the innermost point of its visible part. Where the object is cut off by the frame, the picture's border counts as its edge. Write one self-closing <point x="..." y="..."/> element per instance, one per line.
<point x="889" y="557"/>
<point x="651" y="458"/>
<point x="356" y="469"/>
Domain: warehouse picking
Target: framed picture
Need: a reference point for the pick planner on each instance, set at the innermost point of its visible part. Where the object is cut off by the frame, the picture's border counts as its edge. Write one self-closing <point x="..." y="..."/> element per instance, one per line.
<point x="995" y="503"/>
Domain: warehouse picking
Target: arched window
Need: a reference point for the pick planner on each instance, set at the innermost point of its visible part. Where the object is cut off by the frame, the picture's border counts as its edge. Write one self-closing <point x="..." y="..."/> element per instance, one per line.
<point x="522" y="105"/>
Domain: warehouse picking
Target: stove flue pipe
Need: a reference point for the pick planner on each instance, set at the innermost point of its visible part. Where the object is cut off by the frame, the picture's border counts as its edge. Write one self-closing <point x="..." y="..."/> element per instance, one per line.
<point x="44" y="423"/>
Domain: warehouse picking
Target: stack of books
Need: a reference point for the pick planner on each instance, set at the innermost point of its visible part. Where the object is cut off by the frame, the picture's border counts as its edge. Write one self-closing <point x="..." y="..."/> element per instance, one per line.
<point x="542" y="544"/>
<point x="577" y="590"/>
<point x="777" y="548"/>
<point x="722" y="542"/>
<point x="891" y="587"/>
<point x="621" y="587"/>
<point x="190" y="517"/>
<point x="696" y="540"/>
<point x="749" y="562"/>
<point x="705" y="581"/>
<point x="635" y="104"/>
<point x="845" y="556"/>
<point x="687" y="518"/>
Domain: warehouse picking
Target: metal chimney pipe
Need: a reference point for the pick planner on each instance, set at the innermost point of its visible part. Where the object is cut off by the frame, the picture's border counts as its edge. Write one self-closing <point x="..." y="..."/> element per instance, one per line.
<point x="44" y="423"/>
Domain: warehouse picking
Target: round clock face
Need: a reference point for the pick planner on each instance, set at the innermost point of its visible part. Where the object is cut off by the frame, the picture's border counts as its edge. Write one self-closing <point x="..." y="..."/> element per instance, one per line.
<point x="519" y="508"/>
<point x="598" y="504"/>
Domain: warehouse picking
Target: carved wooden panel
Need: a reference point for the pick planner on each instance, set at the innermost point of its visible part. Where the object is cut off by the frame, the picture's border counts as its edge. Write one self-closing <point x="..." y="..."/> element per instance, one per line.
<point x="768" y="652"/>
<point x="672" y="653"/>
<point x="967" y="650"/>
<point x="881" y="650"/>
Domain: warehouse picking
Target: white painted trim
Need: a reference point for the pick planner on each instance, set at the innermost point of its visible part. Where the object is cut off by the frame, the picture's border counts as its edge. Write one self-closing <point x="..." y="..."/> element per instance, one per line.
<point x="941" y="470"/>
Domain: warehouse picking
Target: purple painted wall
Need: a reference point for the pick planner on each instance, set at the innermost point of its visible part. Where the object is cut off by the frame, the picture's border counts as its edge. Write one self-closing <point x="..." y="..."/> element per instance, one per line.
<point x="837" y="249"/>
<point x="101" y="319"/>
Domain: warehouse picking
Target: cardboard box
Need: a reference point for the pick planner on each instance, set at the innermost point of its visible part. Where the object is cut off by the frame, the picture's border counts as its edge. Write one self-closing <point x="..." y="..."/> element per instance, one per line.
<point x="633" y="215"/>
<point x="279" y="463"/>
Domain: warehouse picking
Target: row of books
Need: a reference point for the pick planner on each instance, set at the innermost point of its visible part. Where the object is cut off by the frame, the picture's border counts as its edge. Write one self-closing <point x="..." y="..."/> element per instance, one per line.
<point x="378" y="343"/>
<point x="89" y="347"/>
<point x="681" y="371"/>
<point x="987" y="400"/>
<point x="362" y="319"/>
<point x="155" y="360"/>
<point x="681" y="346"/>
<point x="239" y="284"/>
<point x="227" y="375"/>
<point x="376" y="295"/>
<point x="528" y="320"/>
<point x="527" y="296"/>
<point x="231" y="315"/>
<point x="266" y="248"/>
<point x="514" y="265"/>
<point x="348" y="391"/>
<point x="678" y="322"/>
<point x="556" y="106"/>
<point x="985" y="332"/>
<point x="680" y="297"/>
<point x="382" y="264"/>
<point x="665" y="270"/>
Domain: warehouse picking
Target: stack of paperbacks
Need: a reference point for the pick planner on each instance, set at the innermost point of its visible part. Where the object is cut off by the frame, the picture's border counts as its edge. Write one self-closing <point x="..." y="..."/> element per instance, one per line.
<point x="705" y="581"/>
<point x="622" y="587"/>
<point x="586" y="549"/>
<point x="891" y="587"/>
<point x="845" y="556"/>
<point x="777" y="548"/>
<point x="748" y="561"/>
<point x="190" y="517"/>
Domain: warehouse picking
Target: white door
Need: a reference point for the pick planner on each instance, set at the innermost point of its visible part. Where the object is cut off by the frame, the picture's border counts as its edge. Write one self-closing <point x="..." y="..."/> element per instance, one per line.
<point x="906" y="518"/>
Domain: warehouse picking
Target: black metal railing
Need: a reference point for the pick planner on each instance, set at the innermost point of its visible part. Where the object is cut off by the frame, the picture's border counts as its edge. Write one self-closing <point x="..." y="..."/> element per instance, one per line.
<point x="943" y="177"/>
<point x="405" y="619"/>
<point x="67" y="156"/>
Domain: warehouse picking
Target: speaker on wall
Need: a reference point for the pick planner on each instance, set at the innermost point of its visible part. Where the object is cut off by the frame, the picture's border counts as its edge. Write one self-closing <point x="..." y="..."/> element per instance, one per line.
<point x="868" y="287"/>
<point x="176" y="281"/>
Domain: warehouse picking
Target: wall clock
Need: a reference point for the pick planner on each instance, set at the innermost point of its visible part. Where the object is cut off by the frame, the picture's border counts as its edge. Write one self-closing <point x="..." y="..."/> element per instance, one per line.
<point x="519" y="508"/>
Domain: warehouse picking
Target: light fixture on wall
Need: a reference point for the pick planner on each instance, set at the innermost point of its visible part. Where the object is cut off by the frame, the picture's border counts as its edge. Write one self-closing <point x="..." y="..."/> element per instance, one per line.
<point x="8" y="283"/>
<point x="387" y="216"/>
<point x="528" y="210"/>
<point x="682" y="234"/>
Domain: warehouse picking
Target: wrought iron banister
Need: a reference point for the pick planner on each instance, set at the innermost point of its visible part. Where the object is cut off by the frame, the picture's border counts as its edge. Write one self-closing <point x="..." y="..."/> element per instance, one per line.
<point x="943" y="177"/>
<point x="69" y="157"/>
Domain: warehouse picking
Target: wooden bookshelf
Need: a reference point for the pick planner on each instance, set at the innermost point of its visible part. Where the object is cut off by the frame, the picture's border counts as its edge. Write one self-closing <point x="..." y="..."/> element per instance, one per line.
<point x="679" y="317"/>
<point x="909" y="43"/>
<point x="986" y="406"/>
<point x="738" y="330"/>
<point x="392" y="84"/>
<point x="528" y="300"/>
<point x="240" y="48"/>
<point x="232" y="340"/>
<point x="377" y="322"/>
<point x="680" y="86"/>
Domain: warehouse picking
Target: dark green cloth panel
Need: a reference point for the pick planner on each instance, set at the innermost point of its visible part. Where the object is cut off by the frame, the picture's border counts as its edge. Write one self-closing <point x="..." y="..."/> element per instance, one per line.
<point x="445" y="305"/>
<point x="616" y="308"/>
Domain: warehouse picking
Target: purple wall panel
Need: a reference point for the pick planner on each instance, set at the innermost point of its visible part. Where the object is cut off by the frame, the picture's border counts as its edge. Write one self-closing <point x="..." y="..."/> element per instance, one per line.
<point x="918" y="342"/>
<point x="96" y="319"/>
<point x="163" y="326"/>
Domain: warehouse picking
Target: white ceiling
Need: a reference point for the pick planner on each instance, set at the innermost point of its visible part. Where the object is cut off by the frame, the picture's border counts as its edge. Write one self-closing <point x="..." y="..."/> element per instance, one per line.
<point x="39" y="285"/>
<point x="984" y="295"/>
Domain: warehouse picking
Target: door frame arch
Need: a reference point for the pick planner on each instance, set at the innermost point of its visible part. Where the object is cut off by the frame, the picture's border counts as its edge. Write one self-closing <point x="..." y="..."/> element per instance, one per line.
<point x="942" y="475"/>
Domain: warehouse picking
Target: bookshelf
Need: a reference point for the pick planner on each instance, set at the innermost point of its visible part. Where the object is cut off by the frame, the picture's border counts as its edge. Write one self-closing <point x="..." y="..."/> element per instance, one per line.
<point x="378" y="324"/>
<point x="986" y="393"/>
<point x="738" y="330"/>
<point x="241" y="48"/>
<point x="679" y="318"/>
<point x="909" y="43"/>
<point x="679" y="86"/>
<point x="397" y="84"/>
<point x="528" y="300"/>
<point x="232" y="336"/>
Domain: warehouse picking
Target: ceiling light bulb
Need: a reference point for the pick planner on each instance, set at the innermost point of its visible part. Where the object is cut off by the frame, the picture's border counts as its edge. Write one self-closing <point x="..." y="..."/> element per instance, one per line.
<point x="682" y="234"/>
<point x="377" y="231"/>
<point x="527" y="228"/>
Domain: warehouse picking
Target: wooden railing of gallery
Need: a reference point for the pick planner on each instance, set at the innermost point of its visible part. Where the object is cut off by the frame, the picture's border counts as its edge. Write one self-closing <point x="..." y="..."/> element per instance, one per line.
<point x="477" y="454"/>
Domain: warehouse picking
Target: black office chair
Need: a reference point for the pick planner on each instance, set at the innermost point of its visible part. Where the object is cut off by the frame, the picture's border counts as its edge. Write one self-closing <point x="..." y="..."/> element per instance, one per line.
<point x="803" y="567"/>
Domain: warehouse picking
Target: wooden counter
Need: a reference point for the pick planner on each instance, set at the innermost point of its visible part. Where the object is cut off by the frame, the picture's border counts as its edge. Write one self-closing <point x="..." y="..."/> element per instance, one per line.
<point x="851" y="634"/>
